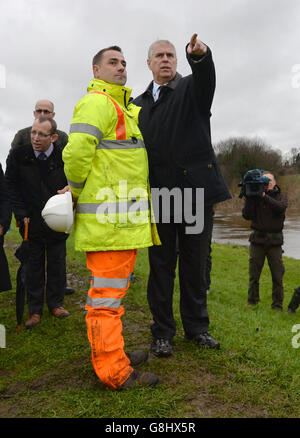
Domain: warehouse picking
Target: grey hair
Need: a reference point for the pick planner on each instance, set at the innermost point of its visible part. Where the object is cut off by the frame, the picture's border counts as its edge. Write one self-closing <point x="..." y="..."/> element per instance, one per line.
<point x="159" y="42"/>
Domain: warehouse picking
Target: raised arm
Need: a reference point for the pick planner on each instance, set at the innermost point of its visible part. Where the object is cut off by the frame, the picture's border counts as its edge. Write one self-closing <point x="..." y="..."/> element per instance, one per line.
<point x="200" y="59"/>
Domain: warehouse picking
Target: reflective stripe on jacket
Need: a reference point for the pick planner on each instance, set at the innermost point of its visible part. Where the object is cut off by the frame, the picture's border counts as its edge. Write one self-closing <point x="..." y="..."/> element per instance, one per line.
<point x="106" y="166"/>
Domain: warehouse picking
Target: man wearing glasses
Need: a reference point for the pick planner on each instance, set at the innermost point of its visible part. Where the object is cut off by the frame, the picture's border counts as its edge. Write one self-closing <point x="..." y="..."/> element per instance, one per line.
<point x="35" y="173"/>
<point x="42" y="108"/>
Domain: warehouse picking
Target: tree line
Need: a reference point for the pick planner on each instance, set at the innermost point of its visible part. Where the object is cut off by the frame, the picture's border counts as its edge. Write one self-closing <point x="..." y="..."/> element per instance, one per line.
<point x="237" y="155"/>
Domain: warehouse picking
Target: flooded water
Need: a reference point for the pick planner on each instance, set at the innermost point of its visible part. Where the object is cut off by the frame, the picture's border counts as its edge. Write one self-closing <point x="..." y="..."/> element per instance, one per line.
<point x="235" y="230"/>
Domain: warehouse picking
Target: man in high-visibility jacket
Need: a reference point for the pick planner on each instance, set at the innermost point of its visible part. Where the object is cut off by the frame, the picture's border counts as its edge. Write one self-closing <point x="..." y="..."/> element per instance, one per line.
<point x="107" y="169"/>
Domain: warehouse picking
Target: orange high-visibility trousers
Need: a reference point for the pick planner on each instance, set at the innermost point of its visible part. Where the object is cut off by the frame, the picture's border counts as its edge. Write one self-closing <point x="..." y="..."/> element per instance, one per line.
<point x="111" y="271"/>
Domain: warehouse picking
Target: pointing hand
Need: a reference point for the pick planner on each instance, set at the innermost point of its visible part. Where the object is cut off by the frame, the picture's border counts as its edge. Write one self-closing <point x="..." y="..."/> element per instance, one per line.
<point x="196" y="47"/>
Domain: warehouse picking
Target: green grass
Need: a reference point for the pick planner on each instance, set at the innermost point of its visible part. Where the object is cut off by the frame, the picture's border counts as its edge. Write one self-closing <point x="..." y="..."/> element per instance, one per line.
<point x="46" y="372"/>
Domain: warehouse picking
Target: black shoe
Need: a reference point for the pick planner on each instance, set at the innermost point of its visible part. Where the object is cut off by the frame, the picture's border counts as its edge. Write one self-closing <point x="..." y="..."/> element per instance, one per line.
<point x="295" y="301"/>
<point x="137" y="357"/>
<point x="277" y="308"/>
<point x="204" y="340"/>
<point x="252" y="303"/>
<point x="161" y="348"/>
<point x="69" y="291"/>
<point x="139" y="378"/>
<point x="133" y="278"/>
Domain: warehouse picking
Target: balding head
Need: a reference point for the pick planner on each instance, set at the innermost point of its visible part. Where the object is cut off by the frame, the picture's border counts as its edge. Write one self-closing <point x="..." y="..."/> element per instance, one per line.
<point x="44" y="107"/>
<point x="272" y="182"/>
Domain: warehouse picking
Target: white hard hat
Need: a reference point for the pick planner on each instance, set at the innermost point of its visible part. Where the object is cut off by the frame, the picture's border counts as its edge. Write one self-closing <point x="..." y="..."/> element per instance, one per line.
<point x="58" y="212"/>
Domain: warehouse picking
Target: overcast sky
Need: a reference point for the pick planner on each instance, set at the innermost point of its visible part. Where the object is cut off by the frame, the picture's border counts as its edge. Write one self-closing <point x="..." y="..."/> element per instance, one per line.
<point x="47" y="47"/>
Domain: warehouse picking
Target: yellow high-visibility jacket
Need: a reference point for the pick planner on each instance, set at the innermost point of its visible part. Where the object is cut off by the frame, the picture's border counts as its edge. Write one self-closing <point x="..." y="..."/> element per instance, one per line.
<point x="106" y="165"/>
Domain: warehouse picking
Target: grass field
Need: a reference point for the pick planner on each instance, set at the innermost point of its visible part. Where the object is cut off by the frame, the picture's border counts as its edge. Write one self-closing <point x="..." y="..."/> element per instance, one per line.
<point x="46" y="372"/>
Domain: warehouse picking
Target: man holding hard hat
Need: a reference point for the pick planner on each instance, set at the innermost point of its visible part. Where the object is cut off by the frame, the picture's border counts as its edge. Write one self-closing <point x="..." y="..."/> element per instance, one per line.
<point x="107" y="169"/>
<point x="34" y="174"/>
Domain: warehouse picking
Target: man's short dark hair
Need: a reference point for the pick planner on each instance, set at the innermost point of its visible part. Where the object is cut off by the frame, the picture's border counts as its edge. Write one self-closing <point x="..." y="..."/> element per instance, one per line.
<point x="98" y="56"/>
<point x="52" y="122"/>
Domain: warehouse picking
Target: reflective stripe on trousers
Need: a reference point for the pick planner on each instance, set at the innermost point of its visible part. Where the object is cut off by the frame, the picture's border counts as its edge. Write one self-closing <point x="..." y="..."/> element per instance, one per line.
<point x="111" y="271"/>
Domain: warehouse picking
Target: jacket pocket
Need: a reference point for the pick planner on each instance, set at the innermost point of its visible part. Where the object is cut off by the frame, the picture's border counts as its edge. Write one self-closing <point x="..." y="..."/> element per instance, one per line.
<point x="208" y="177"/>
<point x="132" y="205"/>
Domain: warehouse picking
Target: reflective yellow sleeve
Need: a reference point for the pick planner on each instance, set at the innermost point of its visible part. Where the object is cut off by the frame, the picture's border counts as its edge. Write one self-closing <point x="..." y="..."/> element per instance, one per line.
<point x="86" y="131"/>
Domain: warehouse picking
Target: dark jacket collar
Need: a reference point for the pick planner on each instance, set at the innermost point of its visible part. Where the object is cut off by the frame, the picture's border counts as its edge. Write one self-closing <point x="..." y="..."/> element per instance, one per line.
<point x="26" y="153"/>
<point x="172" y="84"/>
<point x="274" y="191"/>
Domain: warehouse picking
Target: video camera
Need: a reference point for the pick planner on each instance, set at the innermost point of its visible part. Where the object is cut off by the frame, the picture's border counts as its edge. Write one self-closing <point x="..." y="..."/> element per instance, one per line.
<point x="254" y="183"/>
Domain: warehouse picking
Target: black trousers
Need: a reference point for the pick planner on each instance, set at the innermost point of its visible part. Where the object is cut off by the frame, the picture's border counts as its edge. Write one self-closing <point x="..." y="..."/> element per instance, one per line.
<point x="46" y="270"/>
<point x="193" y="255"/>
<point x="5" y="283"/>
<point x="208" y="261"/>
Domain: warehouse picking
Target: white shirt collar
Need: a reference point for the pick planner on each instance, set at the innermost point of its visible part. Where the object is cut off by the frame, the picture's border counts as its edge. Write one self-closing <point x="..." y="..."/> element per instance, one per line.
<point x="48" y="152"/>
<point x="156" y="90"/>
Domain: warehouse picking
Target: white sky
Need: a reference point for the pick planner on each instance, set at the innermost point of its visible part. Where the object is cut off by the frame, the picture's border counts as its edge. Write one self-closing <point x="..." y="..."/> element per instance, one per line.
<point x="47" y="47"/>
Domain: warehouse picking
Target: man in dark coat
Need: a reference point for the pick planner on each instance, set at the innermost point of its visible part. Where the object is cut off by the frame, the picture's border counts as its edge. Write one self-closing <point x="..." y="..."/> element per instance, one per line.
<point x="34" y="173"/>
<point x="267" y="214"/>
<point x="22" y="137"/>
<point x="175" y="123"/>
<point x="5" y="218"/>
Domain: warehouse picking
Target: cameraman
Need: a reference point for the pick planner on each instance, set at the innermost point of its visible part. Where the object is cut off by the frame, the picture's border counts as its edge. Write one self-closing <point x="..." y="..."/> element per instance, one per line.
<point x="267" y="214"/>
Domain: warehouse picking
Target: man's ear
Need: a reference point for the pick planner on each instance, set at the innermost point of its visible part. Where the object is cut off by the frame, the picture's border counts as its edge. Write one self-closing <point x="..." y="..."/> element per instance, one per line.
<point x="148" y="63"/>
<point x="54" y="137"/>
<point x="96" y="71"/>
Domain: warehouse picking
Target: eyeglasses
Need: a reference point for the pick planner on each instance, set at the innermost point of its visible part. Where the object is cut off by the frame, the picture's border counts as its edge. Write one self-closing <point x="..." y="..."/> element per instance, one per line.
<point x="39" y="134"/>
<point x="40" y="111"/>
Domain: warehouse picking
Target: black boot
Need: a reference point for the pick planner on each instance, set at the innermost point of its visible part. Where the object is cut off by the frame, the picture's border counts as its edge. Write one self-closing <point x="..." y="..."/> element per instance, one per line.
<point x="295" y="301"/>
